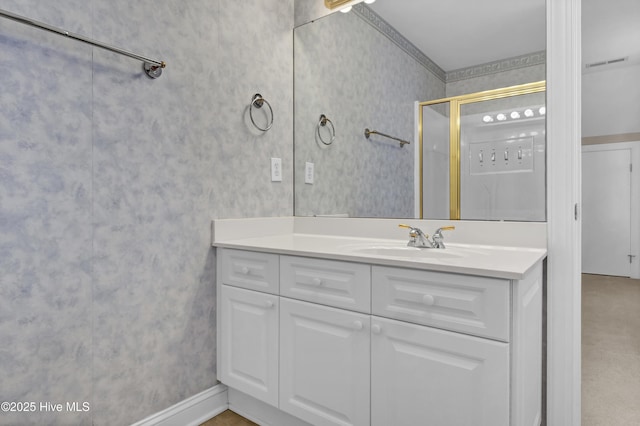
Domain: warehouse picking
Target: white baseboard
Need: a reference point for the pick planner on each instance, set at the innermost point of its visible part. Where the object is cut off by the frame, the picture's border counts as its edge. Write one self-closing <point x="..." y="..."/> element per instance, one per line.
<point x="192" y="411"/>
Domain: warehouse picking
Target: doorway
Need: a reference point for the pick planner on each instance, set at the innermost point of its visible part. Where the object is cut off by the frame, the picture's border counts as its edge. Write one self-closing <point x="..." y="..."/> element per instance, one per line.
<point x="610" y="210"/>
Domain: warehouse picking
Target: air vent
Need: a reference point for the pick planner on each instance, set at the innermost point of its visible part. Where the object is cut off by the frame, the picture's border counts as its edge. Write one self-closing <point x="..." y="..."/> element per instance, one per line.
<point x="609" y="62"/>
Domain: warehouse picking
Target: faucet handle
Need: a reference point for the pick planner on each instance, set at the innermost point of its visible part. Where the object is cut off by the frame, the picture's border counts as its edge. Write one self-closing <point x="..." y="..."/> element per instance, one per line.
<point x="412" y="229"/>
<point x="445" y="228"/>
<point x="438" y="238"/>
<point x="418" y="238"/>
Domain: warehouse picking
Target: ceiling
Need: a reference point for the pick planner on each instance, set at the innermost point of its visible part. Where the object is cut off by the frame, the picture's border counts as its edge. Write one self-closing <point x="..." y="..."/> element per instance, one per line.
<point x="462" y="33"/>
<point x="610" y="30"/>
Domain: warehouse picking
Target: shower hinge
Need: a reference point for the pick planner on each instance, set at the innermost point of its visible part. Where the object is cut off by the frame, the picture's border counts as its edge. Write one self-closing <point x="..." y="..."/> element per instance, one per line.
<point x="631" y="256"/>
<point x="575" y="211"/>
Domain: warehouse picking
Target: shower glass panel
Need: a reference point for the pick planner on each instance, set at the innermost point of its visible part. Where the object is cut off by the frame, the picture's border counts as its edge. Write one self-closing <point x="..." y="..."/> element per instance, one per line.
<point x="483" y="155"/>
<point x="435" y="161"/>
<point x="502" y="159"/>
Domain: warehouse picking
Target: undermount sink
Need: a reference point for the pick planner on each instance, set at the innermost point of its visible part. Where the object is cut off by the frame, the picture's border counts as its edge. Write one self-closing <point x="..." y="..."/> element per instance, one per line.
<point x="404" y="251"/>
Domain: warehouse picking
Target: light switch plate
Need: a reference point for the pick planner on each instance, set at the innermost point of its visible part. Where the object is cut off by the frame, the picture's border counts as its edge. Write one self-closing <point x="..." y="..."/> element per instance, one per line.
<point x="276" y="170"/>
<point x="308" y="173"/>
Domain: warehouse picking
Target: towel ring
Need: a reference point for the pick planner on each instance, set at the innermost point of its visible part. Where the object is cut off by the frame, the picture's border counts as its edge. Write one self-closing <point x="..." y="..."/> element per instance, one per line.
<point x="257" y="102"/>
<point x="322" y="123"/>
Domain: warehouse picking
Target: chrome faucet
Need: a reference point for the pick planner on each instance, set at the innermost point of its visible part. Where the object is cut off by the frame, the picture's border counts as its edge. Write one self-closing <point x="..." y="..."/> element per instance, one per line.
<point x="419" y="239"/>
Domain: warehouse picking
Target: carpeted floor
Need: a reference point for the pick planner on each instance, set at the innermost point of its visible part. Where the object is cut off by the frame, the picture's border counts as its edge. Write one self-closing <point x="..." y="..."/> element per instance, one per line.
<point x="610" y="351"/>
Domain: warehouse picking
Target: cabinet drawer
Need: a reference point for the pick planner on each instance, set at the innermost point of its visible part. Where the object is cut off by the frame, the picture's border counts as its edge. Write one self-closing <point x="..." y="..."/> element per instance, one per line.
<point x="251" y="270"/>
<point x="469" y="304"/>
<point x="329" y="282"/>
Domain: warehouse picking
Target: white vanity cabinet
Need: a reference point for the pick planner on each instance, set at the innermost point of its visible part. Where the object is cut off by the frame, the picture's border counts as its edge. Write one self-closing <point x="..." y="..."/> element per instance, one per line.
<point x="324" y="363"/>
<point x="330" y="342"/>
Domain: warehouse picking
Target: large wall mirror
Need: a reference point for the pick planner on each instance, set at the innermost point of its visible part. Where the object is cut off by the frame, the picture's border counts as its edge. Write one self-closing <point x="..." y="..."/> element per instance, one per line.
<point x="392" y="67"/>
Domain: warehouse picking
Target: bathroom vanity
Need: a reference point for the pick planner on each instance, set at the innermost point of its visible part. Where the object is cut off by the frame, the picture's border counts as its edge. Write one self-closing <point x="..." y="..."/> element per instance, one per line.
<point x="344" y="329"/>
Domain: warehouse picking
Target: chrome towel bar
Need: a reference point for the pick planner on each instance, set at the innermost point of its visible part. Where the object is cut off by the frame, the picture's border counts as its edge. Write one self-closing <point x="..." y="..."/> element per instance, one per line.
<point x="368" y="132"/>
<point x="151" y="67"/>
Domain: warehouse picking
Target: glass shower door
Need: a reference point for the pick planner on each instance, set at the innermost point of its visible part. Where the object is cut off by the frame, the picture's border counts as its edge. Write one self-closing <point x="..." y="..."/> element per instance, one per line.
<point x="483" y="155"/>
<point x="435" y="161"/>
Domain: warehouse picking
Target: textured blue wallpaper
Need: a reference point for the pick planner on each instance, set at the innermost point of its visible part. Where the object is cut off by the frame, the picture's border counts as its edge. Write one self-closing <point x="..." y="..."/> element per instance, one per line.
<point x="108" y="183"/>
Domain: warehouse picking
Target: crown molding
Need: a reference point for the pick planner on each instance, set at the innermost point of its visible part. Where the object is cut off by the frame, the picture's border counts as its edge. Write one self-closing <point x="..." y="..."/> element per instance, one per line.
<point x="373" y="19"/>
<point x="508" y="64"/>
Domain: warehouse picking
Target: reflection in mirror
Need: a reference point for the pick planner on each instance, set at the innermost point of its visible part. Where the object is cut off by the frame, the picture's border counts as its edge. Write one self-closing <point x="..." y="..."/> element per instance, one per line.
<point x="435" y="154"/>
<point x="363" y="73"/>
<point x="492" y="146"/>
<point x="502" y="159"/>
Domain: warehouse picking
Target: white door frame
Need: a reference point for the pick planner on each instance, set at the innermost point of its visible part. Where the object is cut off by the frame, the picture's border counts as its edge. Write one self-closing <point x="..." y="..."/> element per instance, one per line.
<point x="635" y="194"/>
<point x="563" y="204"/>
<point x="564" y="76"/>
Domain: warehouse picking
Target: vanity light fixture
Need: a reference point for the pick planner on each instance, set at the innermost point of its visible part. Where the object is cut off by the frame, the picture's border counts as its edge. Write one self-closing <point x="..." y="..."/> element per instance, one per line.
<point x="343" y="5"/>
<point x="514" y="115"/>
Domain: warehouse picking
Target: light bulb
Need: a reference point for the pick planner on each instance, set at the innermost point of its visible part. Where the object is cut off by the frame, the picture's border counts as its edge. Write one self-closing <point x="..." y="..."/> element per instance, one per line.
<point x="369" y="1"/>
<point x="542" y="110"/>
<point x="528" y="113"/>
<point x="501" y="117"/>
<point x="487" y="119"/>
<point x="515" y="114"/>
<point x="346" y="9"/>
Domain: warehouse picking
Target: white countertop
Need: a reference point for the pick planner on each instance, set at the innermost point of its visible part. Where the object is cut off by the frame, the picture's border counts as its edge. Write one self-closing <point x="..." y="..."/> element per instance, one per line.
<point x="501" y="261"/>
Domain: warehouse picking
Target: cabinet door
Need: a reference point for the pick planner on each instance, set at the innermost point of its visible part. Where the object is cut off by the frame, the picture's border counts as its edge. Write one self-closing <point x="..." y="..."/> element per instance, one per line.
<point x="248" y="356"/>
<point x="425" y="376"/>
<point x="324" y="364"/>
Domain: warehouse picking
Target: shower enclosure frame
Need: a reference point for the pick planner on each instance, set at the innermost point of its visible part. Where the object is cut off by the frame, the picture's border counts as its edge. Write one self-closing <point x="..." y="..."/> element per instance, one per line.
<point x="455" y="103"/>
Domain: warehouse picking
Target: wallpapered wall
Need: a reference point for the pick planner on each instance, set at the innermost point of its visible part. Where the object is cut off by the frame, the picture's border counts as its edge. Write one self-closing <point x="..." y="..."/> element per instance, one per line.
<point x="108" y="183"/>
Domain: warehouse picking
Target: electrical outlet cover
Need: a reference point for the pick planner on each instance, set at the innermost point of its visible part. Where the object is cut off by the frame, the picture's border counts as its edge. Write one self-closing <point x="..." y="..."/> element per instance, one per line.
<point x="308" y="173"/>
<point x="276" y="170"/>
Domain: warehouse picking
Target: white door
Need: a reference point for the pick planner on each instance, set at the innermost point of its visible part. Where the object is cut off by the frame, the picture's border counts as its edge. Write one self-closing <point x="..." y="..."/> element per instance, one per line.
<point x="606" y="212"/>
<point x="249" y="343"/>
<point x="324" y="364"/>
<point x="426" y="376"/>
